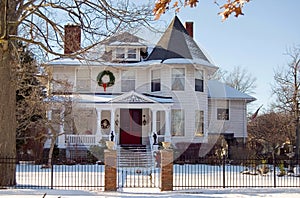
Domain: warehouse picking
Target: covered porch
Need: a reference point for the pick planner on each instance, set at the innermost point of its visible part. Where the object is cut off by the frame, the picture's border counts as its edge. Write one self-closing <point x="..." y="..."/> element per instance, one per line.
<point x="128" y="119"/>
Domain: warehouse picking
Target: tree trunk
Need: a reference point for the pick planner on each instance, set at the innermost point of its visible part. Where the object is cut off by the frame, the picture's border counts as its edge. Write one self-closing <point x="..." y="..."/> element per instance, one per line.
<point x="50" y="155"/>
<point x="7" y="117"/>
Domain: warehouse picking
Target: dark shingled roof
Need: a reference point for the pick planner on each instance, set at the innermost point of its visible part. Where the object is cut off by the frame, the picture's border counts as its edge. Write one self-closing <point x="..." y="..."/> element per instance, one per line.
<point x="176" y="43"/>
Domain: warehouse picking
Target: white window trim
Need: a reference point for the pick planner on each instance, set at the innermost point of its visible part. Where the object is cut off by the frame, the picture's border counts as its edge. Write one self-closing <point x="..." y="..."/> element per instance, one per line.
<point x="155" y="79"/>
<point x="126" y="49"/>
<point x="184" y="88"/>
<point x="135" y="74"/>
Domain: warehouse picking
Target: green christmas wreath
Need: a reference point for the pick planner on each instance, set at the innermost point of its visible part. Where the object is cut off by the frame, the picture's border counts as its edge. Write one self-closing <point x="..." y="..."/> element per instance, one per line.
<point x="111" y="79"/>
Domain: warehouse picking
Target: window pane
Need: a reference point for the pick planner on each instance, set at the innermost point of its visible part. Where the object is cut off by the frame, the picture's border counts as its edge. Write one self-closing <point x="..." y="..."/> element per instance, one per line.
<point x="127" y="85"/>
<point x="199" y="123"/>
<point x="155" y="85"/>
<point x="128" y="75"/>
<point x="120" y="53"/>
<point x="155" y="74"/>
<point x="128" y="81"/>
<point x="83" y="85"/>
<point x="199" y="74"/>
<point x="160" y="124"/>
<point x="177" y="122"/>
<point x="223" y="114"/>
<point x="83" y="81"/>
<point x="83" y="73"/>
<point x="178" y="76"/>
<point x="198" y="85"/>
<point x="155" y="80"/>
<point x="131" y="54"/>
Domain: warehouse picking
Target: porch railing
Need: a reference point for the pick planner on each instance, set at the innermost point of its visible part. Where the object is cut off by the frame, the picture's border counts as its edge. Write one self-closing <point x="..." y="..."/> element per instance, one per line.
<point x="87" y="140"/>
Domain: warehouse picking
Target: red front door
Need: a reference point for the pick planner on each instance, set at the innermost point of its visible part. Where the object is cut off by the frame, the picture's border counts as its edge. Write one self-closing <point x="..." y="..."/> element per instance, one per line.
<point x="130" y="126"/>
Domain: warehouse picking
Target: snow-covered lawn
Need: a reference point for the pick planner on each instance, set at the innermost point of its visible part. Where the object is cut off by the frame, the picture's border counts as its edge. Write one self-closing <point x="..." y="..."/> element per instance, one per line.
<point x="62" y="176"/>
<point x="145" y="193"/>
<point x="197" y="177"/>
<point x="188" y="176"/>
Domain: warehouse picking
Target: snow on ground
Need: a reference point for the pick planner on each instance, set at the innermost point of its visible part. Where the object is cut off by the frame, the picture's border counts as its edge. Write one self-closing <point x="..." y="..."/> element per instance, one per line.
<point x="145" y="193"/>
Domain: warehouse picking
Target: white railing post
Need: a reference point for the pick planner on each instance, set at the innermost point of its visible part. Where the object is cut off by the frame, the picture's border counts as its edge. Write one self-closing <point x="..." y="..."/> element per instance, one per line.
<point x="98" y="131"/>
<point x="168" y="124"/>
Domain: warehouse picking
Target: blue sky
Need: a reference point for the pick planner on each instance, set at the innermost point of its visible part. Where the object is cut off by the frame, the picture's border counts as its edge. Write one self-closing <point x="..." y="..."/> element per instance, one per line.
<point x="256" y="41"/>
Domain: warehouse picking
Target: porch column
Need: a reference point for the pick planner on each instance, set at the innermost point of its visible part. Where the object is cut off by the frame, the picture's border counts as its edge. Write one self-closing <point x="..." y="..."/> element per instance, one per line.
<point x="61" y="137"/>
<point x="112" y="125"/>
<point x="168" y="124"/>
<point x="153" y="125"/>
<point x="98" y="131"/>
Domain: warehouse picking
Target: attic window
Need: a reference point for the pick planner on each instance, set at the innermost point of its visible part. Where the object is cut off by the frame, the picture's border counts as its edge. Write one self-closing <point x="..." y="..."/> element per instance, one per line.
<point x="126" y="54"/>
<point x="120" y="53"/>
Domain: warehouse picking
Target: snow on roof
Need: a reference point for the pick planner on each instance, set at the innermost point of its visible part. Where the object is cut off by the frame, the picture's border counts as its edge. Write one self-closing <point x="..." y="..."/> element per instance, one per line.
<point x="188" y="61"/>
<point x="218" y="90"/>
<point x="71" y="62"/>
<point x="106" y="98"/>
<point x="119" y="43"/>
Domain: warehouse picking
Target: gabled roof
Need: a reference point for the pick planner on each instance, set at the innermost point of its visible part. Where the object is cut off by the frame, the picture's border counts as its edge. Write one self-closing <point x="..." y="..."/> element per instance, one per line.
<point x="124" y="38"/>
<point x="177" y="43"/>
<point x="218" y="90"/>
<point x="132" y="97"/>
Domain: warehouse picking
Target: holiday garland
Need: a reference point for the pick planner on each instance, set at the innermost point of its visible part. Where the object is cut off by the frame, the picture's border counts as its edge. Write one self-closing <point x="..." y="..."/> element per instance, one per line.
<point x="111" y="79"/>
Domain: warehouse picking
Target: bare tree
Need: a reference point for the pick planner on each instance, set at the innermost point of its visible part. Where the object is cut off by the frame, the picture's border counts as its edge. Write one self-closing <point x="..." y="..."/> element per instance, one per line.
<point x="238" y="78"/>
<point x="269" y="131"/>
<point x="40" y="23"/>
<point x="287" y="90"/>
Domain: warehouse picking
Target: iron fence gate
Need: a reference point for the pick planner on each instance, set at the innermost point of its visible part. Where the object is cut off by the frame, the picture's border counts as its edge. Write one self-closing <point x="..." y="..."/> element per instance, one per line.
<point x="138" y="177"/>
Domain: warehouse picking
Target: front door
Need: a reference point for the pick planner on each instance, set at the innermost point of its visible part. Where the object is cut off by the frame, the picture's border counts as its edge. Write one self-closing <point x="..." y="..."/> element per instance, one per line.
<point x="130" y="126"/>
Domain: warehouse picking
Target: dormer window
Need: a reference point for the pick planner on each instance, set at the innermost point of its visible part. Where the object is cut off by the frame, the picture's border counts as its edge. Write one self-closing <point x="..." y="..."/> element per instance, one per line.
<point x="125" y="54"/>
<point x="120" y="53"/>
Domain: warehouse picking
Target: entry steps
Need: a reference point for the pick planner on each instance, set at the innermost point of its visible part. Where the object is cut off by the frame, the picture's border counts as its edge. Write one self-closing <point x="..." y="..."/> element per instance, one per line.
<point x="135" y="156"/>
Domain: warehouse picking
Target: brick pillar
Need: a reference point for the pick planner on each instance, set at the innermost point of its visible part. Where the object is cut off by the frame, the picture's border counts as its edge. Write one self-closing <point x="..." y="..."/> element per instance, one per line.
<point x="166" y="176"/>
<point x="110" y="161"/>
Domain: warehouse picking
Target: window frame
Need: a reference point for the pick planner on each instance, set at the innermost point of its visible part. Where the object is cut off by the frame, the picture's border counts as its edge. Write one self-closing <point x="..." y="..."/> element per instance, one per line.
<point x="175" y="120"/>
<point x="160" y="123"/>
<point x="81" y="79"/>
<point x="199" y="78"/>
<point x="224" y="115"/>
<point x="181" y="79"/>
<point x="127" y="52"/>
<point x="155" y="82"/>
<point x="131" y="79"/>
<point x="199" y="123"/>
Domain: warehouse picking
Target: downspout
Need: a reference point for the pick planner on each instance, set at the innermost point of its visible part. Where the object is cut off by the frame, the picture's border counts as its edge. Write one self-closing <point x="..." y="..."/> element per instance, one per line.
<point x="245" y="122"/>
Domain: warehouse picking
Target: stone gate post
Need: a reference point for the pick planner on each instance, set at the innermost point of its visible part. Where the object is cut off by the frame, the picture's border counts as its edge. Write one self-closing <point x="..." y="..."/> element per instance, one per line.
<point x="166" y="176"/>
<point x="110" y="161"/>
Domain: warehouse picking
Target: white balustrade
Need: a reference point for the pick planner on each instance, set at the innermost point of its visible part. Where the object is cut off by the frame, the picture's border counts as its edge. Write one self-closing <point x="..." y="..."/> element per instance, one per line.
<point x="86" y="140"/>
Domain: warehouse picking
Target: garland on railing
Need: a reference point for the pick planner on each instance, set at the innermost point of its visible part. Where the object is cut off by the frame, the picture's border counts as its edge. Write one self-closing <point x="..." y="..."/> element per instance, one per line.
<point x="109" y="83"/>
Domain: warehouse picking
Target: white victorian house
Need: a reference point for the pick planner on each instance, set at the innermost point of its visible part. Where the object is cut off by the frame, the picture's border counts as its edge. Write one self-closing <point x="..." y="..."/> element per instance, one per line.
<point x="133" y="91"/>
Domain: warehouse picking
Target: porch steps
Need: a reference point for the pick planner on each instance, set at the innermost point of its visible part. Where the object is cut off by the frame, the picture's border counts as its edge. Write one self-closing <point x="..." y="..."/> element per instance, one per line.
<point x="135" y="156"/>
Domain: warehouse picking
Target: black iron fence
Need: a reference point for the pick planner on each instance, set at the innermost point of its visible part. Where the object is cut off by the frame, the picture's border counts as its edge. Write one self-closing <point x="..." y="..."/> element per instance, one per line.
<point x="138" y="177"/>
<point x="224" y="173"/>
<point x="58" y="176"/>
<point x="187" y="174"/>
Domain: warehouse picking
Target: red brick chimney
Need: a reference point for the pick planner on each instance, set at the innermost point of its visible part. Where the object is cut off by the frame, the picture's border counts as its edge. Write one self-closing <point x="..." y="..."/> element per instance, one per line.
<point x="72" y="38"/>
<point x="189" y="26"/>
